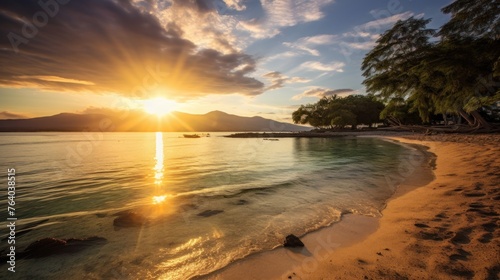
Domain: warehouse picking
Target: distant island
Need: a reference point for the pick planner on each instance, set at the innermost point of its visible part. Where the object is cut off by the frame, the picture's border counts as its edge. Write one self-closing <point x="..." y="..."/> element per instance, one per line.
<point x="215" y="121"/>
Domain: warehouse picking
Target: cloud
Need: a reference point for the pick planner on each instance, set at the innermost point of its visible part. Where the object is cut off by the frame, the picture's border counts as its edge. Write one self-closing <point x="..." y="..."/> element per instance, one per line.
<point x="235" y="4"/>
<point x="298" y="80"/>
<point x="199" y="5"/>
<point x="126" y="51"/>
<point x="8" y="115"/>
<point x="318" y="66"/>
<point x="384" y="22"/>
<point x="322" y="92"/>
<point x="278" y="80"/>
<point x="361" y="34"/>
<point x="283" y="13"/>
<point x="368" y="45"/>
<point x="206" y="22"/>
<point x="364" y="36"/>
<point x="307" y="44"/>
<point x="283" y="55"/>
<point x="56" y="79"/>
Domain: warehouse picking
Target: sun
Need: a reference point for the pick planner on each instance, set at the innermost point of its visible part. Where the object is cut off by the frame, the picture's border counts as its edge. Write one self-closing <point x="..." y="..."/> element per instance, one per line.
<point x="159" y="106"/>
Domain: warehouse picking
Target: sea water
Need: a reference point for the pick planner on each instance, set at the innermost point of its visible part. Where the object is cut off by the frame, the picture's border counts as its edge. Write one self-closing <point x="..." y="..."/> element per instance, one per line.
<point x="206" y="201"/>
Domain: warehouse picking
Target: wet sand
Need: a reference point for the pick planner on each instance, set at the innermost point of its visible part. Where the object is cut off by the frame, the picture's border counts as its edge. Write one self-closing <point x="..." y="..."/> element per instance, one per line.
<point x="449" y="228"/>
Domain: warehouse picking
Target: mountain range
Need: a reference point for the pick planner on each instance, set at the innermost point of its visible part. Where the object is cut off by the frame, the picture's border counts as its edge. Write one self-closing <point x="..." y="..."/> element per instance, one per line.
<point x="215" y="121"/>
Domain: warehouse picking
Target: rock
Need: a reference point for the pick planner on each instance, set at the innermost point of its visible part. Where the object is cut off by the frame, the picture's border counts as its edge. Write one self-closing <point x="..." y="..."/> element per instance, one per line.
<point x="54" y="246"/>
<point x="242" y="202"/>
<point x="45" y="247"/>
<point x="293" y="241"/>
<point x="208" y="213"/>
<point x="129" y="219"/>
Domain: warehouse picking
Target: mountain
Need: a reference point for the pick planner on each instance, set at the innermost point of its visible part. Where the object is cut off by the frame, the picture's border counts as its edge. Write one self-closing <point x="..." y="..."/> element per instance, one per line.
<point x="138" y="121"/>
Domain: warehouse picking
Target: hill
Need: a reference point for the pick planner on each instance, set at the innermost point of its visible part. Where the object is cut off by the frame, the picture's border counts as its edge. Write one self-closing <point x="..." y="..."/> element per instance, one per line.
<point x="215" y="121"/>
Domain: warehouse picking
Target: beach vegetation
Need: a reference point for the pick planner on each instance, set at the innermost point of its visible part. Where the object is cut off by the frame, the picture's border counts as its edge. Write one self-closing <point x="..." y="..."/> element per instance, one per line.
<point x="453" y="71"/>
<point x="339" y="112"/>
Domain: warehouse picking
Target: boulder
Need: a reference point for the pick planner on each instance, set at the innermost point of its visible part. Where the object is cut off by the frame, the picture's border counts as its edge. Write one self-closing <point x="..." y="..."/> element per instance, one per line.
<point x="54" y="246"/>
<point x="293" y="241"/>
<point x="208" y="213"/>
<point x="129" y="219"/>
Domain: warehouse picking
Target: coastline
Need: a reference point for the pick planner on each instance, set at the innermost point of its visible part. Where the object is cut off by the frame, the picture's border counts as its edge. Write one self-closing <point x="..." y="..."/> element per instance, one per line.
<point x="445" y="229"/>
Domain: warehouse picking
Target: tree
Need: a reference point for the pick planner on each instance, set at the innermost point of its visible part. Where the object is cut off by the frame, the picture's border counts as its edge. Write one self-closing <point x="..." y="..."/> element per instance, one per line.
<point x="398" y="112"/>
<point x="313" y="114"/>
<point x="386" y="67"/>
<point x="478" y="19"/>
<point x="341" y="118"/>
<point x="334" y="111"/>
<point x="366" y="109"/>
<point x="461" y="80"/>
<point x="452" y="76"/>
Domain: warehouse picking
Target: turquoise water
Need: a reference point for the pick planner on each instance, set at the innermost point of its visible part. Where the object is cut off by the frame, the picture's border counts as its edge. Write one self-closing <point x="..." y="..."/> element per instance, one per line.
<point x="258" y="192"/>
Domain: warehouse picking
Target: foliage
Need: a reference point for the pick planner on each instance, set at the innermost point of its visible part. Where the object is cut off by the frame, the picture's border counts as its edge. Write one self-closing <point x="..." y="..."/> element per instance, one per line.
<point x="334" y="111"/>
<point x="398" y="112"/>
<point x="458" y="74"/>
<point x="478" y="18"/>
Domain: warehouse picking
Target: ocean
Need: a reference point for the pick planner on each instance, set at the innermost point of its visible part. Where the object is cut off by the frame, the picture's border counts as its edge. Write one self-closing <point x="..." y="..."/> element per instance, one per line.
<point x="206" y="202"/>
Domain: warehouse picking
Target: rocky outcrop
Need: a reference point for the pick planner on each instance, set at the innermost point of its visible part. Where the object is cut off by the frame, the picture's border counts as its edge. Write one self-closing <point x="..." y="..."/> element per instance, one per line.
<point x="129" y="219"/>
<point x="208" y="213"/>
<point x="293" y="241"/>
<point x="54" y="246"/>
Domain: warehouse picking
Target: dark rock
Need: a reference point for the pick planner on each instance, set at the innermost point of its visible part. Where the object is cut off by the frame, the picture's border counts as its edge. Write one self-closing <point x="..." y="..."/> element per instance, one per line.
<point x="54" y="246"/>
<point x="293" y="241"/>
<point x="208" y="213"/>
<point x="421" y="225"/>
<point x="242" y="202"/>
<point x="129" y="219"/>
<point x="45" y="247"/>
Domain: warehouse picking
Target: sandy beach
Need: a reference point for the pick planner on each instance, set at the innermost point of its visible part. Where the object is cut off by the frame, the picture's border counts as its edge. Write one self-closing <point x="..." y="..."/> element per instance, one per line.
<point x="442" y="224"/>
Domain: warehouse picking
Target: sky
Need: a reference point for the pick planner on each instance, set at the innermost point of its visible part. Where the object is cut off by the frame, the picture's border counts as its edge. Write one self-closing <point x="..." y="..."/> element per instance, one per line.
<point x="244" y="57"/>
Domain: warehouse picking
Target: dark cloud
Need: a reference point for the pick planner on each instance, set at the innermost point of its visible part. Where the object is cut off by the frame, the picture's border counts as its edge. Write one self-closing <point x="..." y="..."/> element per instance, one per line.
<point x="343" y="91"/>
<point x="7" y="115"/>
<point x="277" y="80"/>
<point x="322" y="92"/>
<point x="202" y="6"/>
<point x="111" y="46"/>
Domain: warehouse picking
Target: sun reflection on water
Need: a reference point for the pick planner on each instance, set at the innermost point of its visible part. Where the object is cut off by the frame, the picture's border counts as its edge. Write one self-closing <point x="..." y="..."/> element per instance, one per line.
<point x="159" y="197"/>
<point x="159" y="160"/>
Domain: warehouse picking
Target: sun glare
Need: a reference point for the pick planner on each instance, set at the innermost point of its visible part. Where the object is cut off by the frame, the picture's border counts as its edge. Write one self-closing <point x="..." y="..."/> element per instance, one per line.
<point x="159" y="106"/>
<point x="159" y="199"/>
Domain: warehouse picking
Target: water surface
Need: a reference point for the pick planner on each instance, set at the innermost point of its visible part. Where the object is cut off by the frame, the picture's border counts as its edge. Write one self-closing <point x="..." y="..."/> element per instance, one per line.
<point x="209" y="201"/>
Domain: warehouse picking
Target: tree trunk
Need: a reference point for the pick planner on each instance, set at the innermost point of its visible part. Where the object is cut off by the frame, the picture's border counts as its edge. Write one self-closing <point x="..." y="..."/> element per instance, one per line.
<point x="466" y="116"/>
<point x="479" y="120"/>
<point x="445" y="119"/>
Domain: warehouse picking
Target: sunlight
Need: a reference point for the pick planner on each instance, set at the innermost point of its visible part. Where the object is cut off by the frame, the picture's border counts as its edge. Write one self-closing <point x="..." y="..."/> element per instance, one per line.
<point x="159" y="199"/>
<point x="158" y="171"/>
<point x="159" y="160"/>
<point x="159" y="106"/>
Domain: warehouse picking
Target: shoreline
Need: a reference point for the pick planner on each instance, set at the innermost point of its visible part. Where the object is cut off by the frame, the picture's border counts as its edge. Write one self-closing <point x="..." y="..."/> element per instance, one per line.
<point x="446" y="229"/>
<point x="308" y="134"/>
<point x="321" y="244"/>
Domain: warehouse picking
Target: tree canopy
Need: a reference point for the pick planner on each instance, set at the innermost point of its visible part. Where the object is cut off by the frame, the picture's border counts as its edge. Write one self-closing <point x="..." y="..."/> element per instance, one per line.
<point x="417" y="71"/>
<point x="457" y="74"/>
<point x="339" y="112"/>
